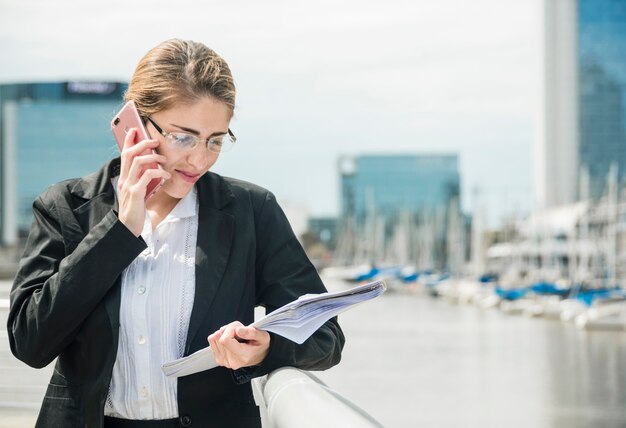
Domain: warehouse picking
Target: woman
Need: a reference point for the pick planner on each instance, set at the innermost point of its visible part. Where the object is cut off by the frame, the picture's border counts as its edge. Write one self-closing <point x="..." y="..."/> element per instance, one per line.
<point x="114" y="286"/>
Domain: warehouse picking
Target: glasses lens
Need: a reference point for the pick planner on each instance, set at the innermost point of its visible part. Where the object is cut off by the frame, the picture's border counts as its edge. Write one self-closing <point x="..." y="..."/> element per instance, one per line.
<point x="182" y="141"/>
<point x="221" y="144"/>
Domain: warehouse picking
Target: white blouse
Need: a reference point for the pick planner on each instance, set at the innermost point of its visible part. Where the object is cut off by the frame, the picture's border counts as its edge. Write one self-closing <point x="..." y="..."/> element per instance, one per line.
<point x="157" y="297"/>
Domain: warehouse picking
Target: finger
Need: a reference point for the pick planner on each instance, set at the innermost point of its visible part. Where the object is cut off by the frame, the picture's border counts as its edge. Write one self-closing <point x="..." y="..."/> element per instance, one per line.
<point x="229" y="332"/>
<point x="257" y="344"/>
<point x="141" y="163"/>
<point x="150" y="174"/>
<point x="217" y="350"/>
<point x="226" y="355"/>
<point x="244" y="354"/>
<point x="129" y="141"/>
<point x="248" y="333"/>
<point x="129" y="153"/>
<point x="232" y="351"/>
<point x="132" y="139"/>
<point x="229" y="329"/>
<point x="143" y="146"/>
<point x="211" y="337"/>
<point x="138" y="190"/>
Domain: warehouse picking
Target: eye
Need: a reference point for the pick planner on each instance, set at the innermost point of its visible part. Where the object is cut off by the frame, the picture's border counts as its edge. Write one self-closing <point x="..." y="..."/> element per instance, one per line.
<point x="183" y="140"/>
<point x="218" y="141"/>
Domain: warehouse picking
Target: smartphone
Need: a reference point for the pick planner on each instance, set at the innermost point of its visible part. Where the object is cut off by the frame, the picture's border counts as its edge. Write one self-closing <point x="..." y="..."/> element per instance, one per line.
<point x="127" y="118"/>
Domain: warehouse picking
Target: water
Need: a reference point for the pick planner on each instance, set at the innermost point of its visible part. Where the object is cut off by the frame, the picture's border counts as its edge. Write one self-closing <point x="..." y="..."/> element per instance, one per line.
<point x="414" y="361"/>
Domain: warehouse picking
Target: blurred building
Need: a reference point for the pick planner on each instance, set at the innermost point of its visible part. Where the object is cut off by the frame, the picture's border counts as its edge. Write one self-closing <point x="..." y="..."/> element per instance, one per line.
<point x="325" y="230"/>
<point x="399" y="208"/>
<point x="582" y="113"/>
<point x="50" y="132"/>
<point x="385" y="185"/>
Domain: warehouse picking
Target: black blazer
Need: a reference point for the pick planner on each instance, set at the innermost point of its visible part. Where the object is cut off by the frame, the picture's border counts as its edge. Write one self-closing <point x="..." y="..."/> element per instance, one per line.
<point x="65" y="300"/>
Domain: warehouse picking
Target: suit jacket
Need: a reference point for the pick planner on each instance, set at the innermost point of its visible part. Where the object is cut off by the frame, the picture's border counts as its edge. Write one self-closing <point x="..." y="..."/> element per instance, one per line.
<point x="65" y="300"/>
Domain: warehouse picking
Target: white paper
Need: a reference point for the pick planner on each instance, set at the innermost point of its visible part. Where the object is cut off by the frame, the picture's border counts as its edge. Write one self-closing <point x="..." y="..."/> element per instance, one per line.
<point x="198" y="361"/>
<point x="296" y="321"/>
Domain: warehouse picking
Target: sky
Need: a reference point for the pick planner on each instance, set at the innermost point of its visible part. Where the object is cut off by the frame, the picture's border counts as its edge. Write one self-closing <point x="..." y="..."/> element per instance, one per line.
<point x="319" y="80"/>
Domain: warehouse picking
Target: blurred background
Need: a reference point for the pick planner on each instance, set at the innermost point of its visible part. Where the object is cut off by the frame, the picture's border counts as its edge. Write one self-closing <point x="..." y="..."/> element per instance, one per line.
<point x="470" y="153"/>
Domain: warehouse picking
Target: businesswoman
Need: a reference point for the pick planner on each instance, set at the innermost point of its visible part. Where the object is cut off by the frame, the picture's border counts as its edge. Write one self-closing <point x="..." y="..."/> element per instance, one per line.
<point x="114" y="286"/>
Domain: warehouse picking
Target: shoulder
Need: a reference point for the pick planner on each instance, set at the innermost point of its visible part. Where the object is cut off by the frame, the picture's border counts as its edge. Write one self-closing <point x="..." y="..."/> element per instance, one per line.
<point x="243" y="193"/>
<point x="78" y="189"/>
<point x="245" y="188"/>
<point x="57" y="193"/>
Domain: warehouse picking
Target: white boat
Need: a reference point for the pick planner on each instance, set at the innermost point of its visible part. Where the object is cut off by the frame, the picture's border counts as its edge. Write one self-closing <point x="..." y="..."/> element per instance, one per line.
<point x="604" y="316"/>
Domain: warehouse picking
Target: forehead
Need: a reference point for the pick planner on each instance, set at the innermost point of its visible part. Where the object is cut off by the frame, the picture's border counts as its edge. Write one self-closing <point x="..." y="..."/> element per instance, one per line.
<point x="205" y="115"/>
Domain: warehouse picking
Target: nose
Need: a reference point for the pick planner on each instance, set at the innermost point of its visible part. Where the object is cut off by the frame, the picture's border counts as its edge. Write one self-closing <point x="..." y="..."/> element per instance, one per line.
<point x="200" y="157"/>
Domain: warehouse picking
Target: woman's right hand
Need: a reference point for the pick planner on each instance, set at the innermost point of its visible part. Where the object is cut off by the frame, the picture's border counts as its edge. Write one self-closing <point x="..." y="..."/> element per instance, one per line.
<point x="132" y="185"/>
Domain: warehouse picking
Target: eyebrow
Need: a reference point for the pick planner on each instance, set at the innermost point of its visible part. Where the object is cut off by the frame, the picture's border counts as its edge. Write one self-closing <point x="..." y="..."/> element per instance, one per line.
<point x="197" y="133"/>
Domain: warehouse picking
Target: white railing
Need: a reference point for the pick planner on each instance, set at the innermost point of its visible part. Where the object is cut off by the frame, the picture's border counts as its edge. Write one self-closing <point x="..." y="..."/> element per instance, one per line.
<point x="290" y="397"/>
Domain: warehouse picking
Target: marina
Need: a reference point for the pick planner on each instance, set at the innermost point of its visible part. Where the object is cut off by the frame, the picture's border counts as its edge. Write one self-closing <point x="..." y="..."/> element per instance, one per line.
<point x="413" y="360"/>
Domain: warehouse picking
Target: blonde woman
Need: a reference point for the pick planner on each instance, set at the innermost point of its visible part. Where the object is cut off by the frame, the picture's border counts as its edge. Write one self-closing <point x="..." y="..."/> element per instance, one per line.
<point x="113" y="286"/>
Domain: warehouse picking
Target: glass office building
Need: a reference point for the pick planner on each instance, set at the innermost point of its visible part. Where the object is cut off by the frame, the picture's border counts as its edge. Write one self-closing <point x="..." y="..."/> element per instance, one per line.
<point x="50" y="132"/>
<point x="602" y="88"/>
<point x="389" y="185"/>
<point x="581" y="119"/>
<point x="393" y="204"/>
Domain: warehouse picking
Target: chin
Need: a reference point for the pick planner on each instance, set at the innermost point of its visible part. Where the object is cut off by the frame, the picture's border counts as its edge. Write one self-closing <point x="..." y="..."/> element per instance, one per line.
<point x="178" y="191"/>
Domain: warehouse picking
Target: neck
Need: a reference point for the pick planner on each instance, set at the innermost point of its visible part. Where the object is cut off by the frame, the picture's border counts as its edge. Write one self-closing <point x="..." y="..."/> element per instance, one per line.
<point x="159" y="206"/>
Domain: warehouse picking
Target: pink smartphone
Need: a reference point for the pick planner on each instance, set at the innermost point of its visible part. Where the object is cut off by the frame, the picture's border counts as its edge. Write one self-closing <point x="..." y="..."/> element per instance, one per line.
<point x="125" y="119"/>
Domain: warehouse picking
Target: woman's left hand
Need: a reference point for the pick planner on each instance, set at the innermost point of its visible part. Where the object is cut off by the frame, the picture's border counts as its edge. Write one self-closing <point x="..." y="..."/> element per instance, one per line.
<point x="236" y="345"/>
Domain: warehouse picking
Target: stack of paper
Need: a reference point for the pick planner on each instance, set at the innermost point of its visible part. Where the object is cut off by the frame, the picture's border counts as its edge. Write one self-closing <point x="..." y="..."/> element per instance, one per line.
<point x="296" y="321"/>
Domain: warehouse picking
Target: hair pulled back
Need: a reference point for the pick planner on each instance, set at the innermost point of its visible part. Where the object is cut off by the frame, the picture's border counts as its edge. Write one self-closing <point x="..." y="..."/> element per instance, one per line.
<point x="179" y="71"/>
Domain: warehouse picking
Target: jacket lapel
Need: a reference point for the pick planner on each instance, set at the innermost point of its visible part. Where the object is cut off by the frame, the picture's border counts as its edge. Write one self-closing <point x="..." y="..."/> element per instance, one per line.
<point x="216" y="227"/>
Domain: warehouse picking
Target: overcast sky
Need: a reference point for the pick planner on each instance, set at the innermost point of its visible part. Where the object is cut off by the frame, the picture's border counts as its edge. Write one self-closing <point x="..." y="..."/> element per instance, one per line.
<point x="320" y="79"/>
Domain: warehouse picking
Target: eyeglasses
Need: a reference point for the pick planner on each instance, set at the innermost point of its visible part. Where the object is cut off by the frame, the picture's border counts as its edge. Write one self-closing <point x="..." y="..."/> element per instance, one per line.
<point x="185" y="141"/>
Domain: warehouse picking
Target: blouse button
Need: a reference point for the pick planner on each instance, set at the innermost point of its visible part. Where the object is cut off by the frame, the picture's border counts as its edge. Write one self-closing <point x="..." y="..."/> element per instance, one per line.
<point x="141" y="290"/>
<point x="142" y="340"/>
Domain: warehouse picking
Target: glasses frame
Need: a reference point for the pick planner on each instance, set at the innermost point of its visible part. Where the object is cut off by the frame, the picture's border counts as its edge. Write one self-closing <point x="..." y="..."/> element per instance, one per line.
<point x="198" y="139"/>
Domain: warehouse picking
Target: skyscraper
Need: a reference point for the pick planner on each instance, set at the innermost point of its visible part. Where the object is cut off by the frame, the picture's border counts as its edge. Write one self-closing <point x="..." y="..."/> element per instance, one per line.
<point x="602" y="88"/>
<point x="582" y="115"/>
<point x="50" y="132"/>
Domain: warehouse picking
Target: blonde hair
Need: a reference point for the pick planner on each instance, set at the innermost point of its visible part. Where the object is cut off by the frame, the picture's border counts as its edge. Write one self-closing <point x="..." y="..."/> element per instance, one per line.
<point x="179" y="71"/>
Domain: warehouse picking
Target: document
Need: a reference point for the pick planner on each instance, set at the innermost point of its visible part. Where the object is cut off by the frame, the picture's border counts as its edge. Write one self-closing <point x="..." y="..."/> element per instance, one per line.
<point x="296" y="321"/>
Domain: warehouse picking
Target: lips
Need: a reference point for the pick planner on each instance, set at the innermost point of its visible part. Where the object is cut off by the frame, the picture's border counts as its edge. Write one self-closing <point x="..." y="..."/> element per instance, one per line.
<point x="188" y="176"/>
